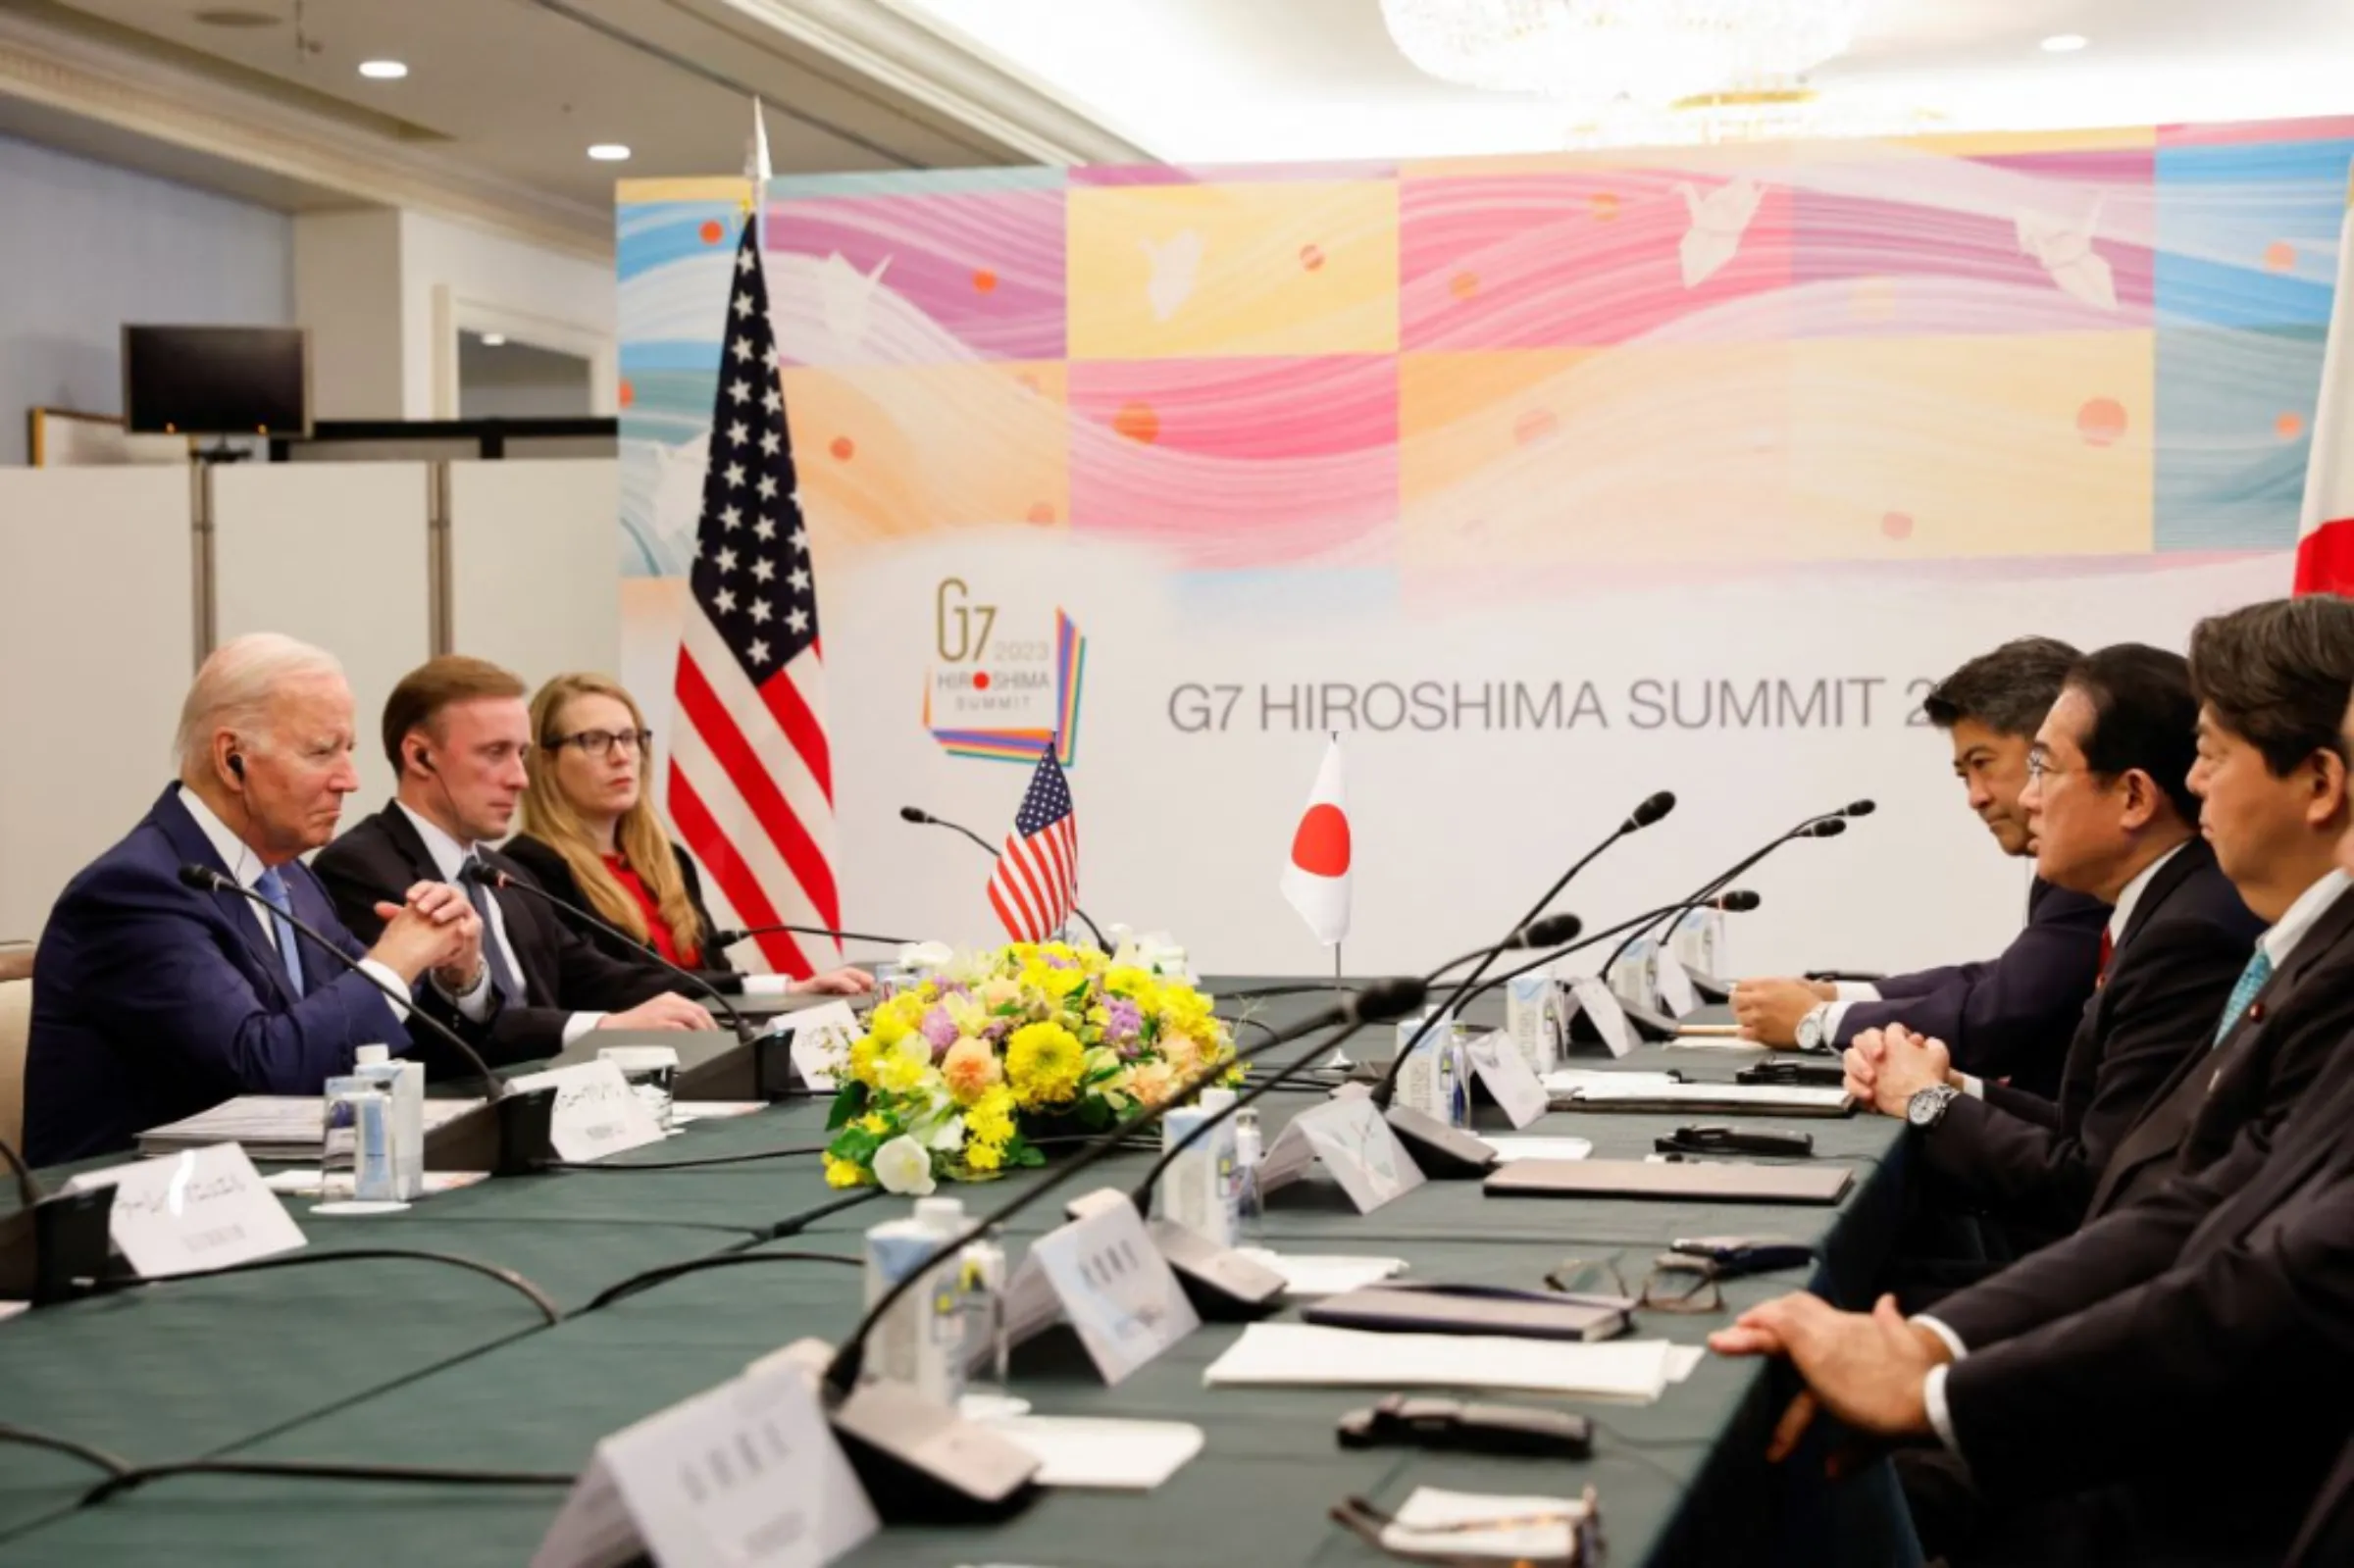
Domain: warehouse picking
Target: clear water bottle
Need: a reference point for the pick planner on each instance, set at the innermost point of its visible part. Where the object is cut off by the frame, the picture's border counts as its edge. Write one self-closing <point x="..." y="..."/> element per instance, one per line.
<point x="1249" y="1147"/>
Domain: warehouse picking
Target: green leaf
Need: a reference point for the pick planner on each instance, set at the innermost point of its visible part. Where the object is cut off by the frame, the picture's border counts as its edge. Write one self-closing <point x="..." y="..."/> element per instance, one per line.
<point x="1026" y="1156"/>
<point x="849" y="1103"/>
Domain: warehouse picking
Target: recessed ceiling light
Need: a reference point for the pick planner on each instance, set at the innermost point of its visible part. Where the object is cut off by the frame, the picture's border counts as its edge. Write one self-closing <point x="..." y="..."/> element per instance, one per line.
<point x="382" y="70"/>
<point x="609" y="152"/>
<point x="2065" y="44"/>
<point x="494" y="339"/>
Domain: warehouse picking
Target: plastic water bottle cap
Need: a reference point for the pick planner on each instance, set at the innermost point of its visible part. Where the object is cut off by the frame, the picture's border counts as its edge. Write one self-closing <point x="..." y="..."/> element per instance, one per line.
<point x="940" y="1210"/>
<point x="370" y="1055"/>
<point x="1216" y="1100"/>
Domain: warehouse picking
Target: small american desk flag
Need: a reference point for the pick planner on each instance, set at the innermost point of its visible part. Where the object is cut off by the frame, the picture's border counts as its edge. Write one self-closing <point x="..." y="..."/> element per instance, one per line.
<point x="751" y="781"/>
<point x="1036" y="883"/>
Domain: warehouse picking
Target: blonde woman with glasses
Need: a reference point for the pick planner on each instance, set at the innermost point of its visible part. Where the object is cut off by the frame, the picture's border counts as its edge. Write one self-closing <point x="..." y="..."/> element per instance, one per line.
<point x="590" y="835"/>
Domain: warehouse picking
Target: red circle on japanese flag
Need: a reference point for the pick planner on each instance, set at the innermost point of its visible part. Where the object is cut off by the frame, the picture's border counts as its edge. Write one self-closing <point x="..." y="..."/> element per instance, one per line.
<point x="1321" y="846"/>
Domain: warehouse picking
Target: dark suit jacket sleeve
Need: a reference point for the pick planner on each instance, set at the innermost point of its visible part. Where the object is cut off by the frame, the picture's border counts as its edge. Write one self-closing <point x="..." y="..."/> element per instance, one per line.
<point x="2123" y="1249"/>
<point x="2115" y="1390"/>
<point x="154" y="973"/>
<point x="1998" y="1015"/>
<point x="2161" y="1007"/>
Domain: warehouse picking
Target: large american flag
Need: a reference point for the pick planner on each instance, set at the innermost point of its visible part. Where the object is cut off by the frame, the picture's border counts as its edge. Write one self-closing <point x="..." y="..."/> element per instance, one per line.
<point x="1036" y="882"/>
<point x="751" y="784"/>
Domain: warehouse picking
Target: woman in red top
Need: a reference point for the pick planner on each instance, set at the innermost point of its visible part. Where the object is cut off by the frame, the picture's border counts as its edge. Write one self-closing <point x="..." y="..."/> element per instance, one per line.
<point x="590" y="835"/>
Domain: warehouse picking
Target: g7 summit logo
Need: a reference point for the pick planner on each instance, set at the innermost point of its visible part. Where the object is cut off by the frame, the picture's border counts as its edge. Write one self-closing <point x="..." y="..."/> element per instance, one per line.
<point x="1001" y="698"/>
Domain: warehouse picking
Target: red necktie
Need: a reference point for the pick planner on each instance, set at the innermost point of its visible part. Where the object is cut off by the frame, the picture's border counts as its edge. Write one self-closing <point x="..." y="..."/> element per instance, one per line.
<point x="2108" y="951"/>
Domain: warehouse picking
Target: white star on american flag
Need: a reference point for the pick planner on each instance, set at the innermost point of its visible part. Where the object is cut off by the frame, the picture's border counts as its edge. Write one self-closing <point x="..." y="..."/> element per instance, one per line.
<point x="727" y="562"/>
<point x="744" y="349"/>
<point x="724" y="599"/>
<point x="766" y="528"/>
<point x="732" y="517"/>
<point x="734" y="476"/>
<point x="738" y="434"/>
<point x="768" y="486"/>
<point x="760" y="610"/>
<point x="744" y="260"/>
<point x="763" y="569"/>
<point x="758" y="649"/>
<point x="800" y="540"/>
<point x="800" y="579"/>
<point x="743" y="303"/>
<point x="770" y="443"/>
<point x="740" y="391"/>
<point x="797" y="620"/>
<point x="774" y="402"/>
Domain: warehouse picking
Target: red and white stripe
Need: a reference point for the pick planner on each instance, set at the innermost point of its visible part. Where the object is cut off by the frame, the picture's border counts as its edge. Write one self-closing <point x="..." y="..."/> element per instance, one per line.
<point x="752" y="791"/>
<point x="2326" y="533"/>
<point x="1036" y="882"/>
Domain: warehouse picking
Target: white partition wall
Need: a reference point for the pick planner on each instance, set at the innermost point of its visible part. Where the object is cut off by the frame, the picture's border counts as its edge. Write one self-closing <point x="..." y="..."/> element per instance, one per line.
<point x="533" y="579"/>
<point x="335" y="554"/>
<point x="97" y="643"/>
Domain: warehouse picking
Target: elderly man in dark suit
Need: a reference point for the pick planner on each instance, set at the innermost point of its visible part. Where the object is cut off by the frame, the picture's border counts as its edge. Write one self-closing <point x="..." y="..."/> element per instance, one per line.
<point x="153" y="1000"/>
<point x="2010" y="1016"/>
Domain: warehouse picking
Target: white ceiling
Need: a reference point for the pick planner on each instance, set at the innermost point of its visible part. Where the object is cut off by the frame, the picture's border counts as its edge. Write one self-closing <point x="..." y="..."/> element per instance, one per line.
<point x="1241" y="80"/>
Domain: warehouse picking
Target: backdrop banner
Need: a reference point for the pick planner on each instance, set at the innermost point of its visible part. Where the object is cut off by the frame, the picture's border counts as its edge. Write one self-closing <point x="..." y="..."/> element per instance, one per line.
<point x="1547" y="481"/>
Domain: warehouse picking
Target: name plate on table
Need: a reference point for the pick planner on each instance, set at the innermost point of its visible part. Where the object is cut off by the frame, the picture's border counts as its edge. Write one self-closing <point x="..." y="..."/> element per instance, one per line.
<point x="1115" y="1288"/>
<point x="1348" y="1133"/>
<point x="822" y="1038"/>
<point x="204" y="1208"/>
<point x="1675" y="982"/>
<point x="1600" y="1003"/>
<point x="1500" y="1065"/>
<point x="747" y="1472"/>
<point x="596" y="1112"/>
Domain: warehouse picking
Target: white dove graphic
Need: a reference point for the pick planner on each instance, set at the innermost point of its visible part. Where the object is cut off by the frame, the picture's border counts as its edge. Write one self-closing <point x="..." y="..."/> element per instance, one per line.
<point x="845" y="293"/>
<point x="2066" y="252"/>
<point x="1176" y="267"/>
<point x="1718" y="221"/>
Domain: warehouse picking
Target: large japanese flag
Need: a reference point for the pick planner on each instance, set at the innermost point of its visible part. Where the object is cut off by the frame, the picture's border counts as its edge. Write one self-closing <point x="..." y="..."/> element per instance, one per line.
<point x="2325" y="539"/>
<point x="1316" y="880"/>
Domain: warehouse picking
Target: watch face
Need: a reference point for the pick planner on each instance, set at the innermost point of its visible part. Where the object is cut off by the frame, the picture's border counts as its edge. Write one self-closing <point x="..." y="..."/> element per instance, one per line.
<point x="1926" y="1108"/>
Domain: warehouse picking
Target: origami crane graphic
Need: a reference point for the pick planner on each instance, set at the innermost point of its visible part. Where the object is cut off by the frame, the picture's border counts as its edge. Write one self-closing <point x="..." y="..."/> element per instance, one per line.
<point x="2066" y="251"/>
<point x="1176" y="266"/>
<point x="1718" y="221"/>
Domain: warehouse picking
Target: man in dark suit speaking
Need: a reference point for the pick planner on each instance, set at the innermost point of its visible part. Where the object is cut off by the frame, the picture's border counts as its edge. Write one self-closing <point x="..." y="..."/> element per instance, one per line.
<point x="459" y="733"/>
<point x="153" y="1000"/>
<point x="2008" y="1017"/>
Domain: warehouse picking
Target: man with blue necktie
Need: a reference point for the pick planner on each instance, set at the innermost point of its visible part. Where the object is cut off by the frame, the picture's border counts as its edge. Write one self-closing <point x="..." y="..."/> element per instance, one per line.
<point x="153" y="1000"/>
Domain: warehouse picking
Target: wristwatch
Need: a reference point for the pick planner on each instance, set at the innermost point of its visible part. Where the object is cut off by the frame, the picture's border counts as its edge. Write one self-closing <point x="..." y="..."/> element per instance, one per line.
<point x="1928" y="1106"/>
<point x="1813" y="1032"/>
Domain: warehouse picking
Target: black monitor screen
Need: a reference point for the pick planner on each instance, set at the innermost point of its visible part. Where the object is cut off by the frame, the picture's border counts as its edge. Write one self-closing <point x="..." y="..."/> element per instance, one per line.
<point x="216" y="381"/>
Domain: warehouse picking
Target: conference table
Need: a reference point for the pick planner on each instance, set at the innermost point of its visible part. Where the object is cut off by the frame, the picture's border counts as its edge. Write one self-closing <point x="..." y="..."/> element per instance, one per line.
<point x="411" y="1362"/>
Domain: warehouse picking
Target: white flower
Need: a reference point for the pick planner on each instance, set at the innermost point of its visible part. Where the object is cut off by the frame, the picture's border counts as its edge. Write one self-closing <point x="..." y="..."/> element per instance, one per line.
<point x="923" y="956"/>
<point x="902" y="1166"/>
<point x="949" y="1135"/>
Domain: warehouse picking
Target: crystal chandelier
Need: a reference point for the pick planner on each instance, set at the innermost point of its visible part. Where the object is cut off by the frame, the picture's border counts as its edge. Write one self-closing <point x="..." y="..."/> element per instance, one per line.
<point x="1597" y="51"/>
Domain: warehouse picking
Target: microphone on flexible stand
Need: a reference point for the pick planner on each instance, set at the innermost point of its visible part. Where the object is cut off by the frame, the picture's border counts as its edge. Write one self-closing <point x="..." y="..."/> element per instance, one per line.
<point x="52" y="1243"/>
<point x="1443" y="1150"/>
<point x="518" y="1119"/>
<point x="1653" y="1025"/>
<point x="924" y="819"/>
<point x="919" y="1460"/>
<point x="728" y="937"/>
<point x="1738" y="901"/>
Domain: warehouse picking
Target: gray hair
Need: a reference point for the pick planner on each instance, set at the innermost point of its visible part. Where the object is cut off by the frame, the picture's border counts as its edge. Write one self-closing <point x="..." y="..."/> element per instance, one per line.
<point x="234" y="688"/>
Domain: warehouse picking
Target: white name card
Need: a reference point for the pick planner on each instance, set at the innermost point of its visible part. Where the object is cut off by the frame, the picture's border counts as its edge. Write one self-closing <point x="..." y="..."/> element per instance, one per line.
<point x="1115" y="1288"/>
<point x="822" y="1038"/>
<point x="596" y="1112"/>
<point x="1348" y="1133"/>
<point x="1601" y="1004"/>
<point x="747" y="1472"/>
<point x="203" y="1208"/>
<point x="1675" y="986"/>
<point x="1506" y="1072"/>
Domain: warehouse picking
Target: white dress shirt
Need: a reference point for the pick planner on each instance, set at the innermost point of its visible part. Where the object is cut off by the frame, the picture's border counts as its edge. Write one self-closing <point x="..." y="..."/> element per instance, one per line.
<point x="449" y="857"/>
<point x="246" y="868"/>
<point x="2279" y="942"/>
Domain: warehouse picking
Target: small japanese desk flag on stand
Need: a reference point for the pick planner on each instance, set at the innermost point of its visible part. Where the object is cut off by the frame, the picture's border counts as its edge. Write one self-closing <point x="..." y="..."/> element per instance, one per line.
<point x="1316" y="880"/>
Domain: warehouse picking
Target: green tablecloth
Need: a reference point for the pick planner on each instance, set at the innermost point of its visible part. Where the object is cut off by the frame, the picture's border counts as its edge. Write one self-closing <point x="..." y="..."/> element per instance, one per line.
<point x="401" y="1363"/>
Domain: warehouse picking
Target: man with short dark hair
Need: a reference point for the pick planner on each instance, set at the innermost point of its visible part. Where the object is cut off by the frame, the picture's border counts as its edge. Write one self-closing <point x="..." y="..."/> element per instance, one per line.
<point x="2109" y="807"/>
<point x="456" y="732"/>
<point x="2010" y="1017"/>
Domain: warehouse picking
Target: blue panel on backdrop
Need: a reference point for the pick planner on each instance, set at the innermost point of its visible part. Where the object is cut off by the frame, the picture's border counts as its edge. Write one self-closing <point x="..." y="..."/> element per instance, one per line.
<point x="2247" y="232"/>
<point x="2234" y="427"/>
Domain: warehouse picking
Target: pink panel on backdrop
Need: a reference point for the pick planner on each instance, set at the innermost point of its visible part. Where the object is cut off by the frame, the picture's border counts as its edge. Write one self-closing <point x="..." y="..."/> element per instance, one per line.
<point x="2249" y="131"/>
<point x="1242" y="461"/>
<point x="1554" y="260"/>
<point x="986" y="265"/>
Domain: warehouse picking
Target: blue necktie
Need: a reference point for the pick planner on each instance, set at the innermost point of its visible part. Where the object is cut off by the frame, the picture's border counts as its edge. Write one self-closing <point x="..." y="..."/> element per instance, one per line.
<point x="273" y="888"/>
<point x="494" y="953"/>
<point x="2251" y="980"/>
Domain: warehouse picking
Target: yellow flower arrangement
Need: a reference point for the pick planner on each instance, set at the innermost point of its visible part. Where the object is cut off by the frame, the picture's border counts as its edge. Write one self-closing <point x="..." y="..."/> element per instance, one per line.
<point x="961" y="1066"/>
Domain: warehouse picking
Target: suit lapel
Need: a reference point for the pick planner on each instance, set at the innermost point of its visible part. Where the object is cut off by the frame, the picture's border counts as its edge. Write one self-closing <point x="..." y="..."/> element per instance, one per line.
<point x="189" y="843"/>
<point x="2192" y="857"/>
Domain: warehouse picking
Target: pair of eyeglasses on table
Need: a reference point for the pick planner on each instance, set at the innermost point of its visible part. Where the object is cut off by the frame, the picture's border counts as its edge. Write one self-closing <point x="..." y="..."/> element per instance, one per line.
<point x="1580" y="1526"/>
<point x="1687" y="1286"/>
